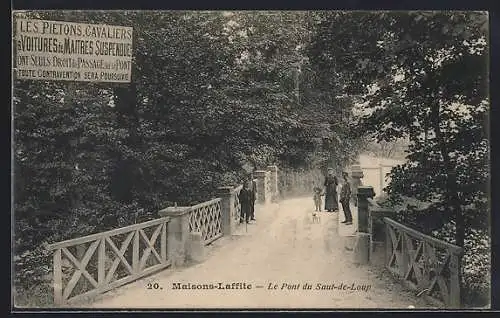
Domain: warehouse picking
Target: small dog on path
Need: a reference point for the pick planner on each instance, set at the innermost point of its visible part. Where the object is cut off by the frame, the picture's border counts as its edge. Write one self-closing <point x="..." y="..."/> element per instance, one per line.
<point x="318" y="193"/>
<point x="316" y="218"/>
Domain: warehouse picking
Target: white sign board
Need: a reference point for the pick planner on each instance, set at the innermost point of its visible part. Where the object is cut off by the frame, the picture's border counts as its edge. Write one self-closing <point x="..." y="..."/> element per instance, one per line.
<point x="66" y="51"/>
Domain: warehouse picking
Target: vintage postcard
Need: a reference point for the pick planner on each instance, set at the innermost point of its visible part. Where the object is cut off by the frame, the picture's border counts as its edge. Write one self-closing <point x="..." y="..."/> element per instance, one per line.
<point x="242" y="160"/>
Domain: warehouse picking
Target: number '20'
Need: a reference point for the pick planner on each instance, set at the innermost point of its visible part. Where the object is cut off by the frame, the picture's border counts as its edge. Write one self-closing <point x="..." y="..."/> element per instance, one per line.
<point x="153" y="286"/>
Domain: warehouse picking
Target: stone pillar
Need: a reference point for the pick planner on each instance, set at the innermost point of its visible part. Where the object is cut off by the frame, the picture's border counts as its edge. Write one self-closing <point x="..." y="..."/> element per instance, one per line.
<point x="377" y="228"/>
<point x="262" y="196"/>
<point x="227" y="209"/>
<point x="376" y="215"/>
<point x="356" y="176"/>
<point x="274" y="182"/>
<point x="364" y="192"/>
<point x="196" y="248"/>
<point x="177" y="234"/>
<point x="362" y="247"/>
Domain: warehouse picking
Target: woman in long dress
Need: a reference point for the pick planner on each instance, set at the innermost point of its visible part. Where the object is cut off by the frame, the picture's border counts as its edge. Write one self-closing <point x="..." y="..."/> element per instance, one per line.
<point x="331" y="182"/>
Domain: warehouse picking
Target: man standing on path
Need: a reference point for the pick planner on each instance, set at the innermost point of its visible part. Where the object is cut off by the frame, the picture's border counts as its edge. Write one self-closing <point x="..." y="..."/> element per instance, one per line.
<point x="246" y="198"/>
<point x="254" y="197"/>
<point x="345" y="197"/>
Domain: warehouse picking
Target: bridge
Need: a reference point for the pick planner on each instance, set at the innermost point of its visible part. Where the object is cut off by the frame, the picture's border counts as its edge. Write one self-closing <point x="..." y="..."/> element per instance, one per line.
<point x="201" y="257"/>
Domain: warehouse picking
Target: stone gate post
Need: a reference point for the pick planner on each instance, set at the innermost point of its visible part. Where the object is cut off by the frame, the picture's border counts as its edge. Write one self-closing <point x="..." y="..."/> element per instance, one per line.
<point x="262" y="196"/>
<point x="178" y="234"/>
<point x="274" y="182"/>
<point x="364" y="192"/>
<point x="377" y="230"/>
<point x="227" y="209"/>
<point x="362" y="247"/>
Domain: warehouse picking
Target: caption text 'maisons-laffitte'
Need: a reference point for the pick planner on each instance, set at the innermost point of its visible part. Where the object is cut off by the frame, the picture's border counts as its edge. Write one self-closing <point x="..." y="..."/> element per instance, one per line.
<point x="272" y="286"/>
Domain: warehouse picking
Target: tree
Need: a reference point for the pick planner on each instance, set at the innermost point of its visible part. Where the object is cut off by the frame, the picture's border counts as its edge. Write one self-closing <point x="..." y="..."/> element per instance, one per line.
<point x="424" y="75"/>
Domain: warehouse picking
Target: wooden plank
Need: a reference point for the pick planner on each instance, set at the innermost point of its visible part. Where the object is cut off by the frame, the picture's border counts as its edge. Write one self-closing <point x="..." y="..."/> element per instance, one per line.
<point x="98" y="236"/>
<point x="135" y="252"/>
<point x="146" y="252"/>
<point x="388" y="245"/>
<point x="413" y="256"/>
<point x="101" y="262"/>
<point x="409" y="231"/>
<point x="438" y="279"/>
<point x="396" y="240"/>
<point x="72" y="283"/>
<point x="119" y="256"/>
<point x="405" y="259"/>
<point x="163" y="245"/>
<point x="58" y="297"/>
<point x="205" y="204"/>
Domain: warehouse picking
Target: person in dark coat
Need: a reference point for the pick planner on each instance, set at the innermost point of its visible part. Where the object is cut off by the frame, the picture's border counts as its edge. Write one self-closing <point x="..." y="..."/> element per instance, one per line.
<point x="254" y="197"/>
<point x="331" y="184"/>
<point x="246" y="201"/>
<point x="345" y="198"/>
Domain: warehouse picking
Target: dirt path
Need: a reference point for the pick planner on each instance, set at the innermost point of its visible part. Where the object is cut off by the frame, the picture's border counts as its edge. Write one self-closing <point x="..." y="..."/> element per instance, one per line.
<point x="283" y="250"/>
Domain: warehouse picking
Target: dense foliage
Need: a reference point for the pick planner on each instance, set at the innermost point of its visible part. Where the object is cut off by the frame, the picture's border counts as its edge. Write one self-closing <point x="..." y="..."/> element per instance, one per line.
<point x="422" y="76"/>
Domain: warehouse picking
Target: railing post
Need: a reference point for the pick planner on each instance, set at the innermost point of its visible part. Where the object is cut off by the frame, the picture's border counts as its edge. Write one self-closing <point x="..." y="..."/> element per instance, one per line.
<point x="261" y="186"/>
<point x="274" y="183"/>
<point x="227" y="209"/>
<point x="57" y="276"/>
<point x="164" y="241"/>
<point x="376" y="216"/>
<point x="388" y="245"/>
<point x="356" y="176"/>
<point x="135" y="252"/>
<point x="363" y="193"/>
<point x="101" y="262"/>
<point x="177" y="234"/>
<point x="405" y="255"/>
<point x="377" y="228"/>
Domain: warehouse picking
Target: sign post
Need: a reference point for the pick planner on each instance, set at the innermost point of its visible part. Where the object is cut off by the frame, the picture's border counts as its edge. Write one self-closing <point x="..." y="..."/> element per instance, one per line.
<point x="68" y="51"/>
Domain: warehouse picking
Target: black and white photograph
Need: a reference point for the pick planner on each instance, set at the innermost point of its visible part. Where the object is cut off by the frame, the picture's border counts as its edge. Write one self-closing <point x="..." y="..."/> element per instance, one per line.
<point x="273" y="159"/>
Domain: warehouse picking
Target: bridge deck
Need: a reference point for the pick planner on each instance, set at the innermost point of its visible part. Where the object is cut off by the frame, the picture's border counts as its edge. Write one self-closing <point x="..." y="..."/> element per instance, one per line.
<point x="284" y="248"/>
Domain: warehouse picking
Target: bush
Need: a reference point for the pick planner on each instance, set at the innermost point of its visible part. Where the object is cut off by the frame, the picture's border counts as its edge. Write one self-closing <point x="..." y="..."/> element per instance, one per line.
<point x="476" y="261"/>
<point x="32" y="287"/>
<point x="476" y="264"/>
<point x="40" y="295"/>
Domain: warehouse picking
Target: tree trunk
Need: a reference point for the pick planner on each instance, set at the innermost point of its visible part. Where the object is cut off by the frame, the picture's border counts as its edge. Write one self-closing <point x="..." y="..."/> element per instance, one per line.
<point x="453" y="200"/>
<point x="452" y="197"/>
